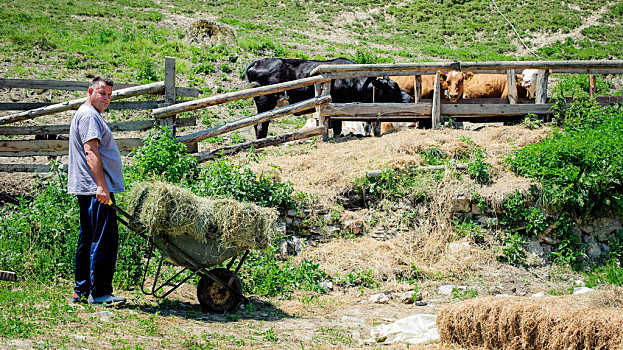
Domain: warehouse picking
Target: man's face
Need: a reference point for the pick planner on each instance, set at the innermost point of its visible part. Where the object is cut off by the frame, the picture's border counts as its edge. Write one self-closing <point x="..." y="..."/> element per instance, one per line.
<point x="100" y="96"/>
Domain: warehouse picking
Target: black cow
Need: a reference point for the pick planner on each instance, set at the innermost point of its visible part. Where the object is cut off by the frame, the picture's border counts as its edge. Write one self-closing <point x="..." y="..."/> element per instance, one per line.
<point x="270" y="71"/>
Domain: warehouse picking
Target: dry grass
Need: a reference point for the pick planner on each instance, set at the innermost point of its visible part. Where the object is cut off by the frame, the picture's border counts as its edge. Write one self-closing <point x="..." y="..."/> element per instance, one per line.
<point x="326" y="169"/>
<point x="166" y="209"/>
<point x="569" y="322"/>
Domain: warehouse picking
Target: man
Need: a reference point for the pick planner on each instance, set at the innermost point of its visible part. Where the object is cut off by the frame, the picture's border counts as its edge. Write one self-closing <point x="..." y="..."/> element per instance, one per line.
<point x="95" y="173"/>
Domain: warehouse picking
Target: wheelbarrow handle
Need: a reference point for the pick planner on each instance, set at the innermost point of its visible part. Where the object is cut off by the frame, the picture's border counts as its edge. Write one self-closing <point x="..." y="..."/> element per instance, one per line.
<point x="121" y="211"/>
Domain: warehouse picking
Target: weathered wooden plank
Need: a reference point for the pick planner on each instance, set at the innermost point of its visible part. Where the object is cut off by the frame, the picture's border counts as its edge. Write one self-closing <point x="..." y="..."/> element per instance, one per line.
<point x="28" y="168"/>
<point x="511" y="80"/>
<point x="384" y="67"/>
<point x="237" y="95"/>
<point x="255" y="119"/>
<point x="572" y="64"/>
<point x="77" y="86"/>
<point x="23" y="148"/>
<point x="391" y="118"/>
<point x="588" y="71"/>
<point x="491" y="110"/>
<point x="257" y="144"/>
<point x="120" y="105"/>
<point x="74" y="104"/>
<point x="375" y="109"/>
<point x="138" y="125"/>
<point x="436" y="119"/>
<point x="540" y="96"/>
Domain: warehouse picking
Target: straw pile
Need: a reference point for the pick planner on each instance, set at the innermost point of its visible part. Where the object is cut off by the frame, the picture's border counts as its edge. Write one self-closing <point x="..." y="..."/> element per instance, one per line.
<point x="166" y="210"/>
<point x="531" y="323"/>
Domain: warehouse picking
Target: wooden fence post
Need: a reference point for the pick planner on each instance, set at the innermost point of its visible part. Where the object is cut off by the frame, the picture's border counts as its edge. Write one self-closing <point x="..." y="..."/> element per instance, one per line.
<point x="417" y="88"/>
<point x="541" y="86"/>
<point x="169" y="92"/>
<point x="512" y="86"/>
<point x="436" y="110"/>
<point x="324" y="89"/>
<point x="592" y="86"/>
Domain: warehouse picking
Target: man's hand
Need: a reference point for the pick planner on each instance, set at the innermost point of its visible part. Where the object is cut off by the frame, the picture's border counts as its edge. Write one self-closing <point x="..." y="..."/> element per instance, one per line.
<point x="94" y="160"/>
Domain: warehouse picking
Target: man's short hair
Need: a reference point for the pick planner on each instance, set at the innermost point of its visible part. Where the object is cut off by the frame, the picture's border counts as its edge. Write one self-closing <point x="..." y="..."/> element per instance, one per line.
<point x="95" y="82"/>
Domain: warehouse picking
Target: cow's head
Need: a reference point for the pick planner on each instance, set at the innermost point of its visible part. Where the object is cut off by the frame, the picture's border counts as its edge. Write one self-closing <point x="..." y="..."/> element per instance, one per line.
<point x="454" y="83"/>
<point x="528" y="81"/>
<point x="387" y="90"/>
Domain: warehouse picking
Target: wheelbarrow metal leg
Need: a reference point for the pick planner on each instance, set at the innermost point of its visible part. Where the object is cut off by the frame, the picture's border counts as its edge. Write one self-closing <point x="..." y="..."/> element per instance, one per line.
<point x="242" y="260"/>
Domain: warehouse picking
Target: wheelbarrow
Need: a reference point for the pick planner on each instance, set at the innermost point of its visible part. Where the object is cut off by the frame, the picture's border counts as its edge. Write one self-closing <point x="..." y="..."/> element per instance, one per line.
<point x="219" y="289"/>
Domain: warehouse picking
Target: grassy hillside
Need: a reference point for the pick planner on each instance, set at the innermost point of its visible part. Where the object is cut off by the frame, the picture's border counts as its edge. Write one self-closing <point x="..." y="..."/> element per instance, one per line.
<point x="128" y="39"/>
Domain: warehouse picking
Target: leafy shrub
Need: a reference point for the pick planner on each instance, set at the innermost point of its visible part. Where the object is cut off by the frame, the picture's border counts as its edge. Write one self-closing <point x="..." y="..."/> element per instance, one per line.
<point x="579" y="169"/>
<point x="512" y="249"/>
<point x="434" y="156"/>
<point x="146" y="73"/>
<point x="225" y="178"/>
<point x="477" y="168"/>
<point x="264" y="274"/>
<point x="163" y="158"/>
<point x="570" y="251"/>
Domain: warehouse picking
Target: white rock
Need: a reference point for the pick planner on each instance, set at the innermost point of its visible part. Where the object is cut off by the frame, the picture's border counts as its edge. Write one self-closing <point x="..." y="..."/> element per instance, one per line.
<point x="407" y="297"/>
<point x="582" y="290"/>
<point x="579" y="283"/>
<point x="447" y="289"/>
<point x="538" y="295"/>
<point x="352" y="319"/>
<point x="379" y="298"/>
<point x="502" y="295"/>
<point x="328" y="285"/>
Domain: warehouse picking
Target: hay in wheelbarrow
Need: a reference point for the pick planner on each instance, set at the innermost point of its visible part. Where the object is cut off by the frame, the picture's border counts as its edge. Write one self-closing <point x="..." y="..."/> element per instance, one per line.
<point x="570" y="322"/>
<point x="166" y="209"/>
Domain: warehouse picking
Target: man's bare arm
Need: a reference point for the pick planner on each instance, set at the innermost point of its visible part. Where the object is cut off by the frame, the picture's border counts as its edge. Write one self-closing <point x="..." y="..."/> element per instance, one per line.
<point x="94" y="160"/>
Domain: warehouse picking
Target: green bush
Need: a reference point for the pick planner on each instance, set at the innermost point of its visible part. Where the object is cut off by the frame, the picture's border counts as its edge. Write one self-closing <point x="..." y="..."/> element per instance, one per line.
<point x="224" y="178"/>
<point x="161" y="157"/>
<point x="264" y="274"/>
<point x="579" y="168"/>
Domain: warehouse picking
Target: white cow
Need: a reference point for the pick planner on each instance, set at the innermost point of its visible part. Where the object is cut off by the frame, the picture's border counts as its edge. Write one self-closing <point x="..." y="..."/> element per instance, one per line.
<point x="348" y="128"/>
<point x="529" y="81"/>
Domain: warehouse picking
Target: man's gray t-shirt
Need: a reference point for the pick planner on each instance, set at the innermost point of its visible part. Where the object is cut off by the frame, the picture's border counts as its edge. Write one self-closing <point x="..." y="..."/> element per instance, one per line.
<point x="87" y="125"/>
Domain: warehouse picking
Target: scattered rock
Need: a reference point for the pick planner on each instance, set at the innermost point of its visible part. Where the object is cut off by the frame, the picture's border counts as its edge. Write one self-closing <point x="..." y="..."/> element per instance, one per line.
<point x="352" y="319"/>
<point x="461" y="203"/>
<point x="291" y="246"/>
<point x="326" y="285"/>
<point x="408" y="297"/>
<point x="446" y="289"/>
<point x="379" y="298"/>
<point x="538" y="295"/>
<point x="354" y="226"/>
<point x="582" y="290"/>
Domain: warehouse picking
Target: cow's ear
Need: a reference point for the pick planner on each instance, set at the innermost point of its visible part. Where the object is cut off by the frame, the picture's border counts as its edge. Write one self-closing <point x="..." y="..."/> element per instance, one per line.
<point x="442" y="76"/>
<point x="468" y="75"/>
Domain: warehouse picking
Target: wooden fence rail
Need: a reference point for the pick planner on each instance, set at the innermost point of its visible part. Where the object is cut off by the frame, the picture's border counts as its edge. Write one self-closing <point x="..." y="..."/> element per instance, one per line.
<point x="428" y="112"/>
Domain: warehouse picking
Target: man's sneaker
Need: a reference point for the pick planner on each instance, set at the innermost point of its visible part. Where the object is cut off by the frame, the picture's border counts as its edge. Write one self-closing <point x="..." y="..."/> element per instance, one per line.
<point x="79" y="299"/>
<point x="107" y="300"/>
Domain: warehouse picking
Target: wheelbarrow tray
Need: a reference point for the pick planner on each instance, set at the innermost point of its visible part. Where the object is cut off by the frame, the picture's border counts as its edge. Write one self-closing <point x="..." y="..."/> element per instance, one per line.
<point x="205" y="254"/>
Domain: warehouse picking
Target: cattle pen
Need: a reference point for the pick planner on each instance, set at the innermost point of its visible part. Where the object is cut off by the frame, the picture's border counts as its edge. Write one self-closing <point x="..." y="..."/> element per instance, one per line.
<point x="428" y="113"/>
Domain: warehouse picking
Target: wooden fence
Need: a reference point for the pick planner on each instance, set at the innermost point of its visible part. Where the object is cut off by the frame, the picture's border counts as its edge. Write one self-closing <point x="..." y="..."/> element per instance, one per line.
<point x="427" y="112"/>
<point x="31" y="110"/>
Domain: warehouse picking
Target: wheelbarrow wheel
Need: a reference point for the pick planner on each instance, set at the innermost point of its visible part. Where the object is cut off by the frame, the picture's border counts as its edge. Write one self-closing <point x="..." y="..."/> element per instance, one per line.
<point x="214" y="297"/>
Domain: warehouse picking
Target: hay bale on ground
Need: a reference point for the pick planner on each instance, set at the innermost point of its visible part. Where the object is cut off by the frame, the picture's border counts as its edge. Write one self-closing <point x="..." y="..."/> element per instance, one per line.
<point x="166" y="209"/>
<point x="531" y="323"/>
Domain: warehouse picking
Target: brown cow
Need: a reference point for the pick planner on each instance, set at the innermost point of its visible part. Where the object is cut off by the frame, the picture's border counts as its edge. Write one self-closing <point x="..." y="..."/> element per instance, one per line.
<point x="407" y="84"/>
<point x="470" y="85"/>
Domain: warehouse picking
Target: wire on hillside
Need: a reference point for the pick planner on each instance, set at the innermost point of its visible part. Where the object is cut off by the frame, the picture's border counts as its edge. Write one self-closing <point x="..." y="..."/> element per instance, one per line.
<point x="512" y="26"/>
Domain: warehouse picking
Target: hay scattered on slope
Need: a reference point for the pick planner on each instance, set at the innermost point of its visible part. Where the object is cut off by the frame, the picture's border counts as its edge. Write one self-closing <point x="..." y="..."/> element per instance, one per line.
<point x="166" y="209"/>
<point x="531" y="323"/>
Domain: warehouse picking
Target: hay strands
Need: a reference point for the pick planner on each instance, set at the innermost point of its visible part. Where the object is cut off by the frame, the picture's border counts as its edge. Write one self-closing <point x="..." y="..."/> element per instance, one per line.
<point x="225" y="296"/>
